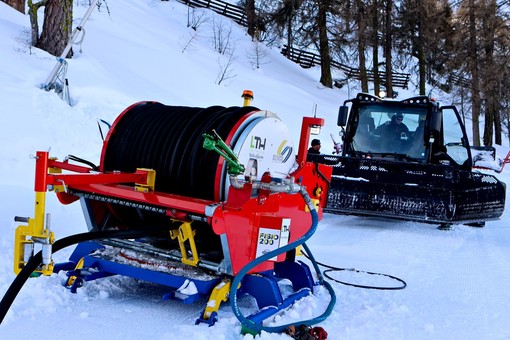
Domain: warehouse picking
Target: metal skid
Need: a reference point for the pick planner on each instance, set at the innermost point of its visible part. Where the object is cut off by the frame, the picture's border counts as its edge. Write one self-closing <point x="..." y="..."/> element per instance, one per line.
<point x="86" y="264"/>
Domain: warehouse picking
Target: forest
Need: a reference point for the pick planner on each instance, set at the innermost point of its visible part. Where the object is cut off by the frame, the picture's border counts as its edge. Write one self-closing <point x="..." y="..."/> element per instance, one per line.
<point x="461" y="47"/>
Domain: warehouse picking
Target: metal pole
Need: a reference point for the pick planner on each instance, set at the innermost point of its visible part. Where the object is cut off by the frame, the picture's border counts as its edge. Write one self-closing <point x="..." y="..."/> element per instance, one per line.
<point x="60" y="59"/>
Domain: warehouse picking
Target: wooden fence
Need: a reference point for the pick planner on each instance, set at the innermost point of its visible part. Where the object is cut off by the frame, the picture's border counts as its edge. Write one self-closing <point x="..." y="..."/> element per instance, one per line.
<point x="461" y="81"/>
<point x="233" y="12"/>
<point x="308" y="59"/>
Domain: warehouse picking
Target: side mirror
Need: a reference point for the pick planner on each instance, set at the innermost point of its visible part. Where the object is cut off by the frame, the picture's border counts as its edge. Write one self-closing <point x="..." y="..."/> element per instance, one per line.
<point x="343" y="112"/>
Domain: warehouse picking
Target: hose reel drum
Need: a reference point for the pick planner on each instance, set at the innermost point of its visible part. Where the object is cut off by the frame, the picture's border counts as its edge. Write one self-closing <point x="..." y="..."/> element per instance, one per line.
<point x="169" y="140"/>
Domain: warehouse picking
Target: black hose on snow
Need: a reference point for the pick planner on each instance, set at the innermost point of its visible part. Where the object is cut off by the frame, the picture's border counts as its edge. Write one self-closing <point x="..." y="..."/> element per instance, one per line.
<point x="402" y="284"/>
<point x="36" y="260"/>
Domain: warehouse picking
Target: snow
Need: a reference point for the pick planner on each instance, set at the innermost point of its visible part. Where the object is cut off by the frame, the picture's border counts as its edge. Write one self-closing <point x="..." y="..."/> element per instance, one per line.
<point x="457" y="280"/>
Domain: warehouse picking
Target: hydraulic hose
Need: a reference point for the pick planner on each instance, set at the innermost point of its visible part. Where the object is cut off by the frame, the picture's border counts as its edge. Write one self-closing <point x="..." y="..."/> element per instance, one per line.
<point x="36" y="260"/>
<point x="402" y="285"/>
<point x="252" y="326"/>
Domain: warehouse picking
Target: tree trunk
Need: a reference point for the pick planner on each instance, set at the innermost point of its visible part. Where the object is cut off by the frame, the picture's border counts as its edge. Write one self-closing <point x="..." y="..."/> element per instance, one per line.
<point x="57" y="27"/>
<point x="488" y="130"/>
<point x="498" y="132"/>
<point x="473" y="68"/>
<point x="422" y="62"/>
<point x="388" y="48"/>
<point x="18" y="5"/>
<point x="375" y="46"/>
<point x="34" y="26"/>
<point x="361" y="17"/>
<point x="492" y="127"/>
<point x="326" y="78"/>
<point x="362" y="67"/>
<point x="289" y="26"/>
<point x="251" y="18"/>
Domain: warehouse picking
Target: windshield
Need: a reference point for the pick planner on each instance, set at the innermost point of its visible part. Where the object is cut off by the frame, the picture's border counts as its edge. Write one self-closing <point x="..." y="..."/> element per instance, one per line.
<point x="391" y="129"/>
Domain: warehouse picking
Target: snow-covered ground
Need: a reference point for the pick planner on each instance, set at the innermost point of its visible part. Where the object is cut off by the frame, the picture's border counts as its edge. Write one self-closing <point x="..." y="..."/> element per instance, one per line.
<point x="457" y="280"/>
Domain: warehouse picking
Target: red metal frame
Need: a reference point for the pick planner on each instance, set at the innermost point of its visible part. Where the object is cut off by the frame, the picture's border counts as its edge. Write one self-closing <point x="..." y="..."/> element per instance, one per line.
<point x="83" y="175"/>
<point x="308" y="123"/>
<point x="239" y="218"/>
<point x="109" y="184"/>
<point x="505" y="161"/>
<point x="48" y="175"/>
<point x="163" y="200"/>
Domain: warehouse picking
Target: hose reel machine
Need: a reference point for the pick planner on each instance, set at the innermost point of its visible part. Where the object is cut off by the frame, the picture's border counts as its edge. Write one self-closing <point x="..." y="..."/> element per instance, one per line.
<point x="212" y="195"/>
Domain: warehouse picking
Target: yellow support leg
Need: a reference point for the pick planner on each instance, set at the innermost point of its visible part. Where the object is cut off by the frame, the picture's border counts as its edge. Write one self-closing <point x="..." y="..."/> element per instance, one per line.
<point x="79" y="265"/>
<point x="35" y="232"/>
<point x="183" y="234"/>
<point x="218" y="295"/>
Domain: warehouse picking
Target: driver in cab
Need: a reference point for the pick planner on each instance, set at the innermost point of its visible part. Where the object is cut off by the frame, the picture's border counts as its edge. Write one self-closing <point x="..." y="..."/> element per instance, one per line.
<point x="394" y="129"/>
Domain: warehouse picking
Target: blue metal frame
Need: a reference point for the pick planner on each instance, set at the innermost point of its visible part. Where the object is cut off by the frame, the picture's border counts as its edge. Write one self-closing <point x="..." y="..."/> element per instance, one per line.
<point x="96" y="267"/>
<point x="263" y="287"/>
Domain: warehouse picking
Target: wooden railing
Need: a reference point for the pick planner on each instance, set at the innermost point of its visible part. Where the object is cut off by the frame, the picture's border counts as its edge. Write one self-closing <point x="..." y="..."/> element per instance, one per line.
<point x="461" y="81"/>
<point x="233" y="12"/>
<point x="308" y="59"/>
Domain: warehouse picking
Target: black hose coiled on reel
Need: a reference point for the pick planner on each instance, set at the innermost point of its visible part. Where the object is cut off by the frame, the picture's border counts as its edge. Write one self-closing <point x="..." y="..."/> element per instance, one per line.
<point x="169" y="140"/>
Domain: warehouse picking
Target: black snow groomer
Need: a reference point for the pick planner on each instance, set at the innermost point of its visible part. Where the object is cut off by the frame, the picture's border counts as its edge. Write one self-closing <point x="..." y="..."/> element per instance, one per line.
<point x="410" y="160"/>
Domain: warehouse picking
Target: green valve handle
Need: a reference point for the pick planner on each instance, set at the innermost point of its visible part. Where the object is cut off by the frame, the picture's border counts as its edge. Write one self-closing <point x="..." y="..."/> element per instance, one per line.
<point x="215" y="143"/>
